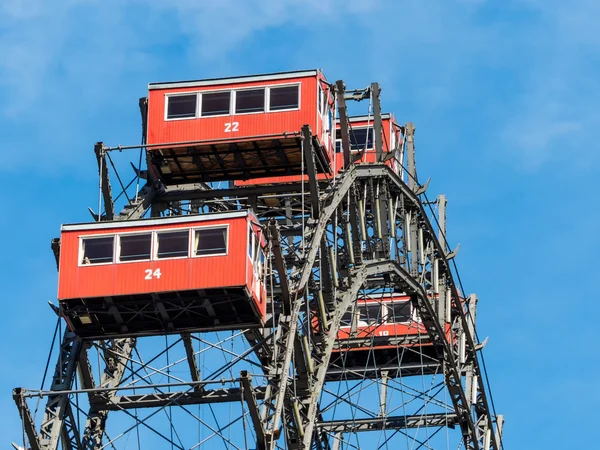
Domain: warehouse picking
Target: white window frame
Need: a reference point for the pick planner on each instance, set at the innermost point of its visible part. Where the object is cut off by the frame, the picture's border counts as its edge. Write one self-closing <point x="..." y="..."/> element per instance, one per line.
<point x="193" y="237"/>
<point x="268" y="105"/>
<point x="250" y="242"/>
<point x="253" y="88"/>
<point x="216" y="91"/>
<point x="393" y="302"/>
<point x="181" y="94"/>
<point x="360" y="127"/>
<point x="166" y="231"/>
<point x="95" y="236"/>
<point x="384" y="304"/>
<point x="117" y="255"/>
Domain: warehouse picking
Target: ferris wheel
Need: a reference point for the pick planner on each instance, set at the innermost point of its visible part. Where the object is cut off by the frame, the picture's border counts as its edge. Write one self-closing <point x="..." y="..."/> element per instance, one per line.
<point x="276" y="279"/>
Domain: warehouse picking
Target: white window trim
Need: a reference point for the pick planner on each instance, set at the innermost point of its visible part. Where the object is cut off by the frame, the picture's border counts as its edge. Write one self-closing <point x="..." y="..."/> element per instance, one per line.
<point x="268" y="105"/>
<point x="94" y="236"/>
<point x="117" y="256"/>
<point x="254" y="88"/>
<point x="180" y="94"/>
<point x="232" y="112"/>
<point x="193" y="252"/>
<point x="360" y="127"/>
<point x="250" y="242"/>
<point x="166" y="231"/>
<point x="392" y="302"/>
<point x="201" y="95"/>
<point x="385" y="304"/>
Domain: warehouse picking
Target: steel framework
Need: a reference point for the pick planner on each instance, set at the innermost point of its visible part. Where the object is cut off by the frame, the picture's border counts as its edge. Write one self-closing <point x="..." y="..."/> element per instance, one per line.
<point x="368" y="231"/>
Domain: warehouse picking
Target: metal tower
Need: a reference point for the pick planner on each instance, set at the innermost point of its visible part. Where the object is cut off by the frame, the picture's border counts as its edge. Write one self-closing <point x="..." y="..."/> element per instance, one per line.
<point x="367" y="232"/>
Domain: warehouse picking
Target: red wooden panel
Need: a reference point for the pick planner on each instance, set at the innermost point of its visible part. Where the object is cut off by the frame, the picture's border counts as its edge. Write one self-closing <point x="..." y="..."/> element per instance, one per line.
<point x="175" y="274"/>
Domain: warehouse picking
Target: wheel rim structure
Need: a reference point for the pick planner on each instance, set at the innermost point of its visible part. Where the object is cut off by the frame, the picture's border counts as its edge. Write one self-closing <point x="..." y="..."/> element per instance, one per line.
<point x="368" y="233"/>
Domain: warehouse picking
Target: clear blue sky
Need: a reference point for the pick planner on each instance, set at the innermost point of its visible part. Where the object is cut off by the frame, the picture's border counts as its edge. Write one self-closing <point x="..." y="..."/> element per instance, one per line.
<point x="504" y="95"/>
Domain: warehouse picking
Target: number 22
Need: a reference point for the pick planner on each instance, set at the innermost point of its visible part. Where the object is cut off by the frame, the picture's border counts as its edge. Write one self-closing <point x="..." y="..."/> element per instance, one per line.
<point x="231" y="126"/>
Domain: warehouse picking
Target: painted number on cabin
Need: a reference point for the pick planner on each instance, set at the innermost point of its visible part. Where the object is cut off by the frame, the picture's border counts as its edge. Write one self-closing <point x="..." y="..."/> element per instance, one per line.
<point x="231" y="126"/>
<point x="150" y="275"/>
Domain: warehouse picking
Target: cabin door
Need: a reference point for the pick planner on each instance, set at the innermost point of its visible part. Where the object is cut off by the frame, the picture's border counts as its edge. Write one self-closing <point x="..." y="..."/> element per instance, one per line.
<point x="326" y="111"/>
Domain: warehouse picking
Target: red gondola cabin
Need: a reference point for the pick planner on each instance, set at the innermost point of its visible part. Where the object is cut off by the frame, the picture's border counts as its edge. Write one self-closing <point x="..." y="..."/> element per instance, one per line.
<point x="382" y="333"/>
<point x="239" y="128"/>
<point x="150" y="276"/>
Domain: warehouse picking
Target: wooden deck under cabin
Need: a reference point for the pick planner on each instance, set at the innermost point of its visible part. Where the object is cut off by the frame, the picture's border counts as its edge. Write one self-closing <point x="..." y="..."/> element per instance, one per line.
<point x="235" y="160"/>
<point x="161" y="313"/>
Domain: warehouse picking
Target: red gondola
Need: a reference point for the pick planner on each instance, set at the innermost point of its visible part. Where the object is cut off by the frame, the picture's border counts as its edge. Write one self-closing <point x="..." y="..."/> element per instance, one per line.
<point x="240" y="127"/>
<point x="196" y="272"/>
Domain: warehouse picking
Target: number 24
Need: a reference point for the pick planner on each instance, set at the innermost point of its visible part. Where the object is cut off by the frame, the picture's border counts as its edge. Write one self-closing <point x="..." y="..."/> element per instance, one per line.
<point x="150" y="274"/>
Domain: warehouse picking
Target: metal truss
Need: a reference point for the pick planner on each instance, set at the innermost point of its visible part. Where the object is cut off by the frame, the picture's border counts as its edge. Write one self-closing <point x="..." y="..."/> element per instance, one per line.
<point x="294" y="384"/>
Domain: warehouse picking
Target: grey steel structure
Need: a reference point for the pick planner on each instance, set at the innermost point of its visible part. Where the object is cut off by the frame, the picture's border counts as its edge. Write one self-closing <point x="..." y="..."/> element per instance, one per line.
<point x="293" y="384"/>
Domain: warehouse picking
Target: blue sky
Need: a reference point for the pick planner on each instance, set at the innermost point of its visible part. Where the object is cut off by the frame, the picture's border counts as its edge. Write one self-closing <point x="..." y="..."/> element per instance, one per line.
<point x="504" y="96"/>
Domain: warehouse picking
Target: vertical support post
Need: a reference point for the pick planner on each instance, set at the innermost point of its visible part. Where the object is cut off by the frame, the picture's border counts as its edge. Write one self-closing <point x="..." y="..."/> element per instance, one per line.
<point x="337" y="441"/>
<point x="383" y="393"/>
<point x="409" y="135"/>
<point x="143" y="104"/>
<point x="414" y="238"/>
<point x="382" y="209"/>
<point x="57" y="407"/>
<point x="469" y="385"/>
<point x="499" y="428"/>
<point x="487" y="437"/>
<point x="280" y="266"/>
<point x="472" y="315"/>
<point x="191" y="357"/>
<point x="442" y="202"/>
<point x="116" y="362"/>
<point x="309" y="158"/>
<point x="440" y="290"/>
<point x="100" y="151"/>
<point x="344" y="131"/>
<point x="377" y="125"/>
<point x="249" y="397"/>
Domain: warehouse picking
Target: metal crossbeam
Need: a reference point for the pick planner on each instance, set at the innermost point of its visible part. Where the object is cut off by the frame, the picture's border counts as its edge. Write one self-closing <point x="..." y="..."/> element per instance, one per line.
<point x="188" y="397"/>
<point x="387" y="423"/>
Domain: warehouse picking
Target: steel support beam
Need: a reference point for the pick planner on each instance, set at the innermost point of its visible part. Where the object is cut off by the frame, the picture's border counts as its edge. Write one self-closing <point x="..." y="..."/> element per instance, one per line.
<point x="191" y="358"/>
<point x="409" y="136"/>
<point x="442" y="202"/>
<point x="387" y="423"/>
<point x="250" y="398"/>
<point x="27" y="418"/>
<point x="57" y="406"/>
<point x="377" y="124"/>
<point x="105" y="189"/>
<point x="311" y="170"/>
<point x="178" y="398"/>
<point x="116" y="359"/>
<point x="344" y="129"/>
